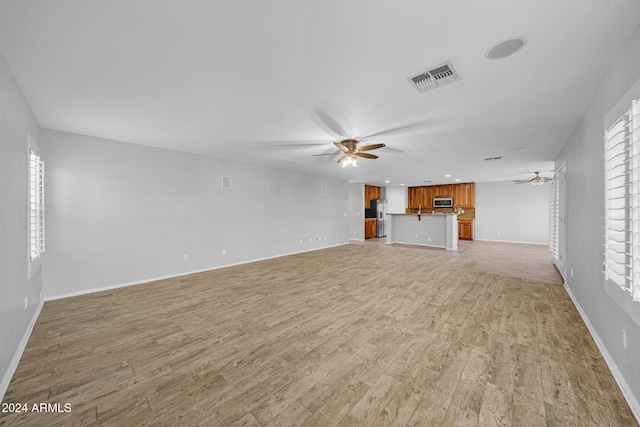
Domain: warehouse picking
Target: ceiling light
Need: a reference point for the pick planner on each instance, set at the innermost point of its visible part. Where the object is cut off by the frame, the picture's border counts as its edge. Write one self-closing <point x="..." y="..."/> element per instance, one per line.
<point x="537" y="181"/>
<point x="387" y="181"/>
<point x="350" y="160"/>
<point x="457" y="179"/>
<point x="447" y="176"/>
<point x="505" y="48"/>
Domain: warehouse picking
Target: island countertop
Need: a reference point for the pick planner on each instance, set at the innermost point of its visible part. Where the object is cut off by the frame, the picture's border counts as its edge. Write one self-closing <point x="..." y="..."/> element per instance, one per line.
<point x="426" y="229"/>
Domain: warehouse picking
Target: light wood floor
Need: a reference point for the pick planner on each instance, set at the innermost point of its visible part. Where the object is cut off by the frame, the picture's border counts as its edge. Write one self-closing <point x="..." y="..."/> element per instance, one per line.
<point x="357" y="335"/>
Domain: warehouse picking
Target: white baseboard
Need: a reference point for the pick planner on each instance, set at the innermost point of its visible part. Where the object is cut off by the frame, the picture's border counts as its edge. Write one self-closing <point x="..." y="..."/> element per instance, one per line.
<point x="512" y="241"/>
<point x="627" y="392"/>
<point x="185" y="273"/>
<point x="18" y="354"/>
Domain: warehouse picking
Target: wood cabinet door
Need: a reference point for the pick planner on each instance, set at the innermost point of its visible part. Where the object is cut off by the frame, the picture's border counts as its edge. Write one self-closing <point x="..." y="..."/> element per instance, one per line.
<point x="426" y="198"/>
<point x="459" y="196"/>
<point x="369" y="228"/>
<point x="440" y="191"/>
<point x="371" y="192"/>
<point x="470" y="195"/>
<point x="465" y="230"/>
<point x="464" y="195"/>
<point x="413" y="197"/>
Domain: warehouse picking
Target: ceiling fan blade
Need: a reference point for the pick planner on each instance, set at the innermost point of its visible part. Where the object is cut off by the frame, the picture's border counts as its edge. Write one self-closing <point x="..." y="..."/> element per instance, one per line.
<point x="326" y="154"/>
<point x="342" y="159"/>
<point x="366" y="155"/>
<point x="330" y="124"/>
<point x="370" y="147"/>
<point x="341" y="146"/>
<point x="399" y="129"/>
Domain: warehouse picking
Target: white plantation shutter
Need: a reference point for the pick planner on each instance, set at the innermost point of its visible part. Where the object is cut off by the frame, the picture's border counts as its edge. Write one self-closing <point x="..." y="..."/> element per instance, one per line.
<point x="622" y="203"/>
<point x="36" y="206"/>
<point x="635" y="238"/>
<point x="554" y="219"/>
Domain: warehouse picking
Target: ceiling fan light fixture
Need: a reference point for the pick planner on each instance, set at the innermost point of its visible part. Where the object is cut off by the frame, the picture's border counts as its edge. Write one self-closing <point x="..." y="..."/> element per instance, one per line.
<point x="350" y="161"/>
<point x="537" y="181"/>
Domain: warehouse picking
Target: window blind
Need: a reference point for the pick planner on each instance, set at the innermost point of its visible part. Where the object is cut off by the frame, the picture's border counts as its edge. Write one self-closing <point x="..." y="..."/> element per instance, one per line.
<point x="622" y="203"/>
<point x="36" y="206"/>
<point x="554" y="219"/>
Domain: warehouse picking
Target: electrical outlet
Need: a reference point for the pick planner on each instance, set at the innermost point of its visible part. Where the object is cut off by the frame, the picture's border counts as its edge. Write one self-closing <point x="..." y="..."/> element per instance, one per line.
<point x="624" y="339"/>
<point x="572" y="273"/>
<point x="186" y="257"/>
<point x="224" y="252"/>
<point x="428" y="239"/>
<point x="498" y="233"/>
<point x="41" y="295"/>
<point x="26" y="302"/>
<point x="416" y="235"/>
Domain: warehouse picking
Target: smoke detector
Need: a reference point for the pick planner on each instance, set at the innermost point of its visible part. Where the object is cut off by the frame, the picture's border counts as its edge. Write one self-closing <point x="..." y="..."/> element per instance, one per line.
<point x="439" y="75"/>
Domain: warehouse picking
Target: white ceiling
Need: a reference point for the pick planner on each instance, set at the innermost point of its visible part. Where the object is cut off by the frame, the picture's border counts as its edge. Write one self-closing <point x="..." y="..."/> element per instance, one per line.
<point x="272" y="82"/>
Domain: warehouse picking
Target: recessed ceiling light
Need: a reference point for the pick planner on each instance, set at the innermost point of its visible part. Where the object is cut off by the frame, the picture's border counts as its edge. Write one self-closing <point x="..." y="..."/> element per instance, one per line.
<point x="457" y="179"/>
<point x="387" y="181"/>
<point x="401" y="184"/>
<point x="447" y="176"/>
<point x="505" y="48"/>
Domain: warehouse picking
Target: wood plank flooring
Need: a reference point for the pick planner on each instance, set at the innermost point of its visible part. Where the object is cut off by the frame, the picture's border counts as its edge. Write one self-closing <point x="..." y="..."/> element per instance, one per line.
<point x="358" y="335"/>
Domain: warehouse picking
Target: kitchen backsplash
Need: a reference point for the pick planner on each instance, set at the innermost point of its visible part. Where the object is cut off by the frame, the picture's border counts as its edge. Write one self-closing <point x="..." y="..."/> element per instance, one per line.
<point x="469" y="213"/>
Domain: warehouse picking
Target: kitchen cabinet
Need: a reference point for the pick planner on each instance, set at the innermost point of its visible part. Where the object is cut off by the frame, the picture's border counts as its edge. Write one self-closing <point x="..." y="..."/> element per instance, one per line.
<point x="426" y="197"/>
<point x="465" y="229"/>
<point x="414" y="197"/>
<point x="464" y="195"/>
<point x="369" y="228"/>
<point x="440" y="191"/>
<point x="370" y="192"/>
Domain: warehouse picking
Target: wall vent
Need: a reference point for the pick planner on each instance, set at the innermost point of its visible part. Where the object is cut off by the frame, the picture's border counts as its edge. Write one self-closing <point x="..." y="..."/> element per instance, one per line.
<point x="493" y="158"/>
<point x="226" y="183"/>
<point x="439" y="75"/>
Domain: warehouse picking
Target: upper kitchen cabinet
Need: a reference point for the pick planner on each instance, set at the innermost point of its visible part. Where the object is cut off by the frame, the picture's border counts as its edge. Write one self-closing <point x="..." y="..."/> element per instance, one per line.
<point x="440" y="191"/>
<point x="426" y="197"/>
<point x="414" y="197"/>
<point x="370" y="192"/>
<point x="464" y="195"/>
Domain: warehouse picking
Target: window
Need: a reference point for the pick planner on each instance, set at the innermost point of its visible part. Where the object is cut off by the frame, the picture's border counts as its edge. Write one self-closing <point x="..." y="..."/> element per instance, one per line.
<point x="36" y="207"/>
<point x="554" y="219"/>
<point x="622" y="202"/>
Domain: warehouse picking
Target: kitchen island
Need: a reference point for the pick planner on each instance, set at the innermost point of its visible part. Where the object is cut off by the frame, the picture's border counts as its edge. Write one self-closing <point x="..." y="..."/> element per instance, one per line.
<point x="437" y="230"/>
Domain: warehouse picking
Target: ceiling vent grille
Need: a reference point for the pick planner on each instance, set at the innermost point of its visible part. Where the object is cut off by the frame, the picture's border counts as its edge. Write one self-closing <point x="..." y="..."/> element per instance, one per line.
<point x="440" y="75"/>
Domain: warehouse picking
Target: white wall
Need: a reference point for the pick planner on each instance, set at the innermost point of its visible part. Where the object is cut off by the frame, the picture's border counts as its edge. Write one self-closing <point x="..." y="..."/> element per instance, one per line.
<point x="356" y="211"/>
<point x="583" y="155"/>
<point x="512" y="212"/>
<point x="396" y="199"/>
<point x="16" y="121"/>
<point x="119" y="213"/>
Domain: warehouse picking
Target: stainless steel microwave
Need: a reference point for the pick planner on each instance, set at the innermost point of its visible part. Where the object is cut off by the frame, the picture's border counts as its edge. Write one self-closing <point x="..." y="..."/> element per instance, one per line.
<point x="445" y="202"/>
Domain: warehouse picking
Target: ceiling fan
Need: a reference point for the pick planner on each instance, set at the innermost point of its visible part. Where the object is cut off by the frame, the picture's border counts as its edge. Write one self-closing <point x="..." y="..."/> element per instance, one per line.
<point x="537" y="180"/>
<point x="350" y="152"/>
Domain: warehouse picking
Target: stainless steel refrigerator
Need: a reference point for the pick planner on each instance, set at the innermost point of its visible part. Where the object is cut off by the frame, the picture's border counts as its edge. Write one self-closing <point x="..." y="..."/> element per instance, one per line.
<point x="379" y="209"/>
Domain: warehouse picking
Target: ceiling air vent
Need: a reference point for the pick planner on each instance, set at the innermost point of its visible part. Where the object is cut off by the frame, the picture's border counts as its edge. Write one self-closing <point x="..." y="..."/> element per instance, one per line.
<point x="438" y="76"/>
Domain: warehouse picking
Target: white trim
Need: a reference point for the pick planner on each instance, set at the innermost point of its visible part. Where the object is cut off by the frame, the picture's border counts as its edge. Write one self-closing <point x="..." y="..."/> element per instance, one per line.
<point x="185" y="273"/>
<point x="357" y="240"/>
<point x="512" y="241"/>
<point x="18" y="354"/>
<point x="627" y="392"/>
